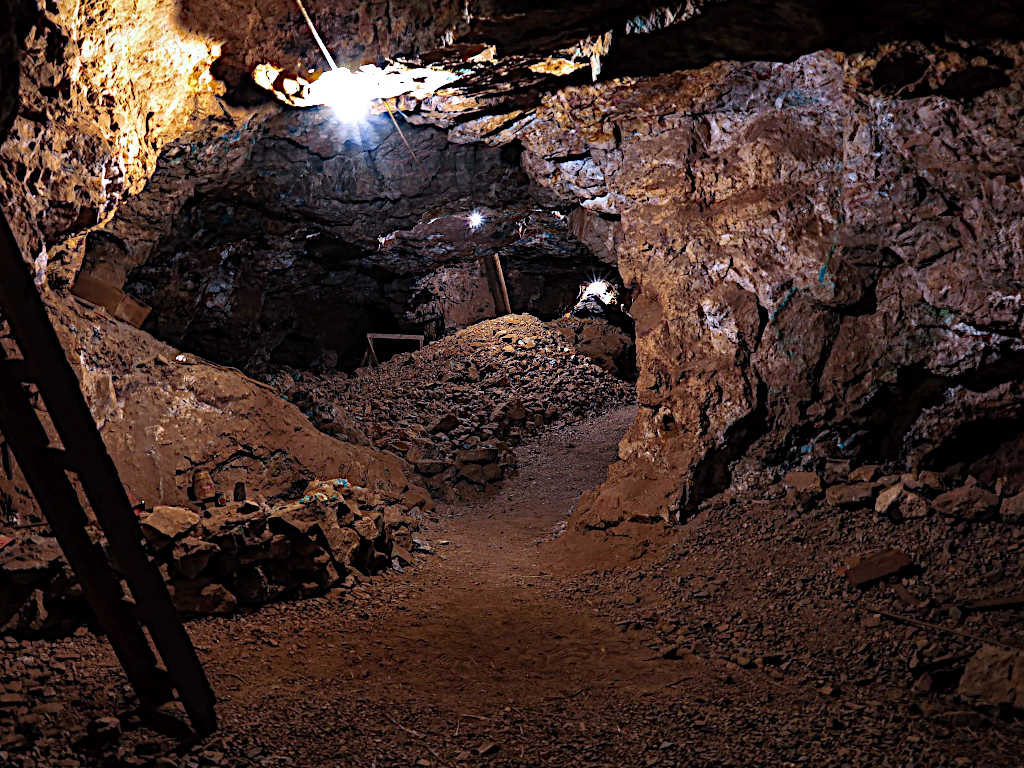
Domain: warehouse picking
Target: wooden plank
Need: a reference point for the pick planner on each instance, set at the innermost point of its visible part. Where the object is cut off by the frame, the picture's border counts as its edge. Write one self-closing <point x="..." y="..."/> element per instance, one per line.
<point x="132" y="311"/>
<point x="994" y="603"/>
<point x="396" y="337"/>
<point x="65" y="403"/>
<point x="502" y="288"/>
<point x="487" y="265"/>
<point x="491" y="264"/>
<point x="97" y="292"/>
<point x="371" y="351"/>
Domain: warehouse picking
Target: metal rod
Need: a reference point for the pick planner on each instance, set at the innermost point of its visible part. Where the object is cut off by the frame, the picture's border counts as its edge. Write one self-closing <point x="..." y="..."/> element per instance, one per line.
<point x="316" y="35"/>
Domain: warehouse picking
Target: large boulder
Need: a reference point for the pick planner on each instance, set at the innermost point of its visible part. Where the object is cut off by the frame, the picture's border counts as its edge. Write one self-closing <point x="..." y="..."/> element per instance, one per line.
<point x="165" y="525"/>
<point x="803" y="291"/>
<point x="967" y="503"/>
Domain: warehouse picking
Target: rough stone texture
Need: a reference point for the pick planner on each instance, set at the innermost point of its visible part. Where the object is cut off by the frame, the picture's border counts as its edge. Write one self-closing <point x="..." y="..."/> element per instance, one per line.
<point x="606" y="344"/>
<point x="98" y="100"/>
<point x="255" y="31"/>
<point x="823" y="254"/>
<point x="1012" y="509"/>
<point x="994" y="676"/>
<point x="284" y="243"/>
<point x="455" y="409"/>
<point x="8" y="69"/>
<point x="164" y="525"/>
<point x="243" y="552"/>
<point x="172" y="415"/>
<point x="969" y="503"/>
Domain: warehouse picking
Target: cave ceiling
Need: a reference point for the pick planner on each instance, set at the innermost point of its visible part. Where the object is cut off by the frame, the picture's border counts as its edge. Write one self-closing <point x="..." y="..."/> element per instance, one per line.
<point x="153" y="152"/>
<point x="107" y="95"/>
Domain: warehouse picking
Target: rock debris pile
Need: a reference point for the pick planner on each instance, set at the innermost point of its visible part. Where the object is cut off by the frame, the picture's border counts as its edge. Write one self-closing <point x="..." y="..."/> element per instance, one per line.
<point x="455" y="409"/>
<point x="241" y="554"/>
<point x="914" y="574"/>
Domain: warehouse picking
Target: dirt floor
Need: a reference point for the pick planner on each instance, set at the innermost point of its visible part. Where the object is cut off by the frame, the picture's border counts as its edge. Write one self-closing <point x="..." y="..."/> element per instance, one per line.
<point x="507" y="648"/>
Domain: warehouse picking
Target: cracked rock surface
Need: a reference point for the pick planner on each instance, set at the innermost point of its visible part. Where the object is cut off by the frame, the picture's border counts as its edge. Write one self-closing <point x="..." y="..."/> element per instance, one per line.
<point x="822" y="258"/>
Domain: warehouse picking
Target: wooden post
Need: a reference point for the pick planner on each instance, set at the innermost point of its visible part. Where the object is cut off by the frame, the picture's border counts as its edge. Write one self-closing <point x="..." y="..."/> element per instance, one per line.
<point x="491" y="264"/>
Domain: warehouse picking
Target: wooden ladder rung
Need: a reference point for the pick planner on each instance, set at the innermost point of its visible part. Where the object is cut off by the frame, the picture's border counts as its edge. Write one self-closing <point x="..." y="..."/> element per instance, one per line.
<point x="60" y="457"/>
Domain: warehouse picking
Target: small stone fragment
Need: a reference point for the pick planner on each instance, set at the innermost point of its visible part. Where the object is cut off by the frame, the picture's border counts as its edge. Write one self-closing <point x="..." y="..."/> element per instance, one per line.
<point x="877" y="566"/>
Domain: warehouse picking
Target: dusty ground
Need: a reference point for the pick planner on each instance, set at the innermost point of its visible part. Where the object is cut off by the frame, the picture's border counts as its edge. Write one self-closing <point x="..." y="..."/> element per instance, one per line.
<point x="507" y="648"/>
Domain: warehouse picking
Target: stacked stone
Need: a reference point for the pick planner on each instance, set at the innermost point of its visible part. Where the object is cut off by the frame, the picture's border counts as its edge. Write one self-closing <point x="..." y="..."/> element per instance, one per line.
<point x="244" y="553"/>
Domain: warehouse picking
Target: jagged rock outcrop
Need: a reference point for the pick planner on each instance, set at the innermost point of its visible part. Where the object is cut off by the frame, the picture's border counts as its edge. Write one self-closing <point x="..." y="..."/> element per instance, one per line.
<point x="98" y="100"/>
<point x="166" y="415"/>
<point x="825" y="255"/>
<point x="100" y="97"/>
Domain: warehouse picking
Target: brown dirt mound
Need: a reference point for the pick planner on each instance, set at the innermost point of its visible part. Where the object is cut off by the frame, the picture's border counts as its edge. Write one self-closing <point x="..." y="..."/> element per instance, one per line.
<point x="455" y="409"/>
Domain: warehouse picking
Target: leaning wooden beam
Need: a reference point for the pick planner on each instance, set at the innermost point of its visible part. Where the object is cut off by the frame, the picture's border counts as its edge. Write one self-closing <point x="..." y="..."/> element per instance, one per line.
<point x="502" y="288"/>
<point x="58" y="499"/>
<point x="496" y="283"/>
<point x="87" y="456"/>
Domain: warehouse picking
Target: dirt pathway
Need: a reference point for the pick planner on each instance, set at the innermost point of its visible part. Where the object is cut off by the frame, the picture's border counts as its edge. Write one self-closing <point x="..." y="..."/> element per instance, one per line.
<point x="473" y="655"/>
<point x="510" y="647"/>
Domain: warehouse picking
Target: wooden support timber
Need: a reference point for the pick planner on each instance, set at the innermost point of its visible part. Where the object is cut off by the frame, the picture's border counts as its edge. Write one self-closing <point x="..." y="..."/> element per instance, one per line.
<point x="496" y="282"/>
<point x="82" y="451"/>
<point x="370" y="355"/>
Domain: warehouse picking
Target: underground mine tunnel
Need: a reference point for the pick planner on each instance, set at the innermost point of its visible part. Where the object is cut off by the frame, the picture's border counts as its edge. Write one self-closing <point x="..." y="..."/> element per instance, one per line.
<point x="506" y="383"/>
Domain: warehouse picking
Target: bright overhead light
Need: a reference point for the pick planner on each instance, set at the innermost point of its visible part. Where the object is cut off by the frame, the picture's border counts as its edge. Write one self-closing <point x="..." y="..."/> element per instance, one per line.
<point x="599" y="289"/>
<point x="349" y="94"/>
<point x="369" y="81"/>
<point x="475" y="220"/>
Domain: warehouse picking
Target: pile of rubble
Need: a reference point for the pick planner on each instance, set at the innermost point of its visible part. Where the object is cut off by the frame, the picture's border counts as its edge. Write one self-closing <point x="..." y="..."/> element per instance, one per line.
<point x="906" y="496"/>
<point x="455" y="409"/>
<point x="220" y="557"/>
<point x="850" y="579"/>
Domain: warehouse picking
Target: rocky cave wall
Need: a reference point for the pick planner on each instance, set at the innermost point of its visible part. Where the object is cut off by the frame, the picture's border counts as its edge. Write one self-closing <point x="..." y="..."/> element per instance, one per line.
<point x="826" y="253"/>
<point x="827" y="258"/>
<point x="100" y="97"/>
<point x="284" y="242"/>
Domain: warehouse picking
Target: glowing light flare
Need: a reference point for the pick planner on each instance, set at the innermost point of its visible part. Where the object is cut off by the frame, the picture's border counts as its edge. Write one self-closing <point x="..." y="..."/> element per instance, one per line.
<point x="475" y="220"/>
<point x="366" y="85"/>
<point x="599" y="289"/>
<point x="349" y="95"/>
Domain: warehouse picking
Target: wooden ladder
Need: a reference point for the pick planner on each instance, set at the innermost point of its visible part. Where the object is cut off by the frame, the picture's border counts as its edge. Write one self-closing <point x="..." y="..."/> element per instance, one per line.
<point x="43" y="363"/>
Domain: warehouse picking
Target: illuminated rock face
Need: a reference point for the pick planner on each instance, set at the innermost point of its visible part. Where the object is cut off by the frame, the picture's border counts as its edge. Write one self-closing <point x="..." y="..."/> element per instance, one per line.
<point x="826" y="253"/>
<point x="828" y="261"/>
<point x="100" y="97"/>
<point x="98" y="100"/>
